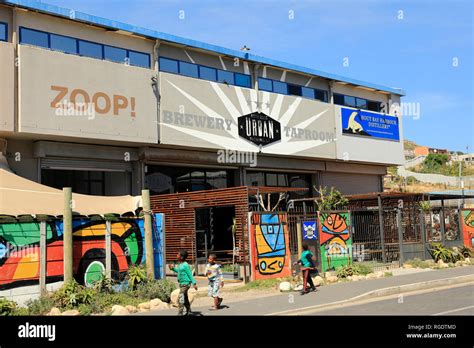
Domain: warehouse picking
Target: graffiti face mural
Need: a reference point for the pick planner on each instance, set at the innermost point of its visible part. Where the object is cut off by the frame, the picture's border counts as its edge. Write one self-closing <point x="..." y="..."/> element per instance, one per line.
<point x="20" y="251"/>
<point x="270" y="251"/>
<point x="335" y="240"/>
<point x="467" y="222"/>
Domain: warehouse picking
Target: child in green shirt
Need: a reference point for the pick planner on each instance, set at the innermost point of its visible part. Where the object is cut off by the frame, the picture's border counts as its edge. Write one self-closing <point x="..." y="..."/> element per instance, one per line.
<point x="308" y="268"/>
<point x="185" y="280"/>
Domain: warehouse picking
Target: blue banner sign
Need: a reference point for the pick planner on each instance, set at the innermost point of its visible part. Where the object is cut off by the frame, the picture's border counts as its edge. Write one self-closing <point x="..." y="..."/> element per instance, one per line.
<point x="309" y="230"/>
<point x="369" y="124"/>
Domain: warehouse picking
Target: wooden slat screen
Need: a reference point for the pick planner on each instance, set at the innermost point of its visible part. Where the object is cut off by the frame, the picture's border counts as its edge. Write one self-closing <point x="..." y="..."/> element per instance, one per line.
<point x="179" y="210"/>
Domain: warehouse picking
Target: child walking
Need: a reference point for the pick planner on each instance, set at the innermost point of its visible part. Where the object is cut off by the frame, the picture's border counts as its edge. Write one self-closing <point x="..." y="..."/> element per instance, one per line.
<point x="216" y="280"/>
<point x="308" y="269"/>
<point x="185" y="280"/>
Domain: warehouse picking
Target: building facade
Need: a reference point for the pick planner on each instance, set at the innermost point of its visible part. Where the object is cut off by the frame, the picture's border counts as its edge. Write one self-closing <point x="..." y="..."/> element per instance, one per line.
<point x="109" y="108"/>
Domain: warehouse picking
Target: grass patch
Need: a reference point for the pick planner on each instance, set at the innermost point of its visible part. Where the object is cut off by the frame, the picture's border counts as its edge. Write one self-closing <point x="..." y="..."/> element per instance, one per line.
<point x="388" y="274"/>
<point x="418" y="263"/>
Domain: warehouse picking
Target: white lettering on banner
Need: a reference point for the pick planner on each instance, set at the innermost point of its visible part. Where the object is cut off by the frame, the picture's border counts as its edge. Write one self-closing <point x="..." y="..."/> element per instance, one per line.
<point x="102" y="103"/>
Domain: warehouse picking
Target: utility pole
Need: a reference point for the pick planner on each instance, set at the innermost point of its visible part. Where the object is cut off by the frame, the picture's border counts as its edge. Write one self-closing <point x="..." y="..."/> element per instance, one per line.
<point x="149" y="256"/>
<point x="67" y="234"/>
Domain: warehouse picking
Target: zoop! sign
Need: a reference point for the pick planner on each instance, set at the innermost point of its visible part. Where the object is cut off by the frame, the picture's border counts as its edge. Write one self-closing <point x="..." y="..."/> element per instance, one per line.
<point x="69" y="101"/>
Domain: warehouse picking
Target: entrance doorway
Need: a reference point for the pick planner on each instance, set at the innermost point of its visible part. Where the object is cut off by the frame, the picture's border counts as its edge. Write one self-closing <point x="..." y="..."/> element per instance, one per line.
<point x="214" y="233"/>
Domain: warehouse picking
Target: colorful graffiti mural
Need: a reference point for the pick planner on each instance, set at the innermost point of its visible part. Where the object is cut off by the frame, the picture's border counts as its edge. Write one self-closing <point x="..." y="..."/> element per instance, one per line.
<point x="335" y="240"/>
<point x="20" y="249"/>
<point x="467" y="222"/>
<point x="270" y="248"/>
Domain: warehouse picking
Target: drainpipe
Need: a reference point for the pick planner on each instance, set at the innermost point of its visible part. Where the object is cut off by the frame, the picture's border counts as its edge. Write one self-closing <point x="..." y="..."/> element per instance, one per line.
<point x="15" y="42"/>
<point x="157" y="87"/>
<point x="255" y="86"/>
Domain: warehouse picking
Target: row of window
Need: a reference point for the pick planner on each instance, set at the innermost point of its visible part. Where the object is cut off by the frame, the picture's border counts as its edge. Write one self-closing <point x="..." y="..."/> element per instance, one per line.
<point x="80" y="47"/>
<point x="290" y="89"/>
<point x="85" y="48"/>
<point x="356" y="102"/>
<point x="3" y="31"/>
<point x="204" y="72"/>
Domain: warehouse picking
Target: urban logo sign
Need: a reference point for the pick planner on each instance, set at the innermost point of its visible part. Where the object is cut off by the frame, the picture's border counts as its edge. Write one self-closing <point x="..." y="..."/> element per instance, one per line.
<point x="259" y="128"/>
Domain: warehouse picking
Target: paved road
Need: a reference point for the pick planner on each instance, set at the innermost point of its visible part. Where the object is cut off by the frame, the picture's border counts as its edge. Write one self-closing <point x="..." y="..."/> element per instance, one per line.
<point x="326" y="294"/>
<point x="453" y="301"/>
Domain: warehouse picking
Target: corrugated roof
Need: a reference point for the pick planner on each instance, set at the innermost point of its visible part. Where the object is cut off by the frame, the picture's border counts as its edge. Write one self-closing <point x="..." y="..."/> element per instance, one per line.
<point x="153" y="34"/>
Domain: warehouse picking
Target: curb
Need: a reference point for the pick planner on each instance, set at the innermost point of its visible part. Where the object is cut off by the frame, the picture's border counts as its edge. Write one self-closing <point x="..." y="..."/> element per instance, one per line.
<point x="394" y="290"/>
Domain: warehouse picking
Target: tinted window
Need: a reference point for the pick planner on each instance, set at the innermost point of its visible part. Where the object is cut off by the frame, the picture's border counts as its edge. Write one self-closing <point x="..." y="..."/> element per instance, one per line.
<point x="307" y="92"/>
<point x="207" y="73"/>
<point x="139" y="59"/>
<point x="33" y="37"/>
<point x="242" y="80"/>
<point x="349" y="101"/>
<point x="114" y="54"/>
<point x="188" y="69"/>
<point x="225" y="76"/>
<point x="294" y="90"/>
<point x="63" y="44"/>
<point x="361" y="103"/>
<point x="169" y="65"/>
<point x="265" y="85"/>
<point x="373" y="106"/>
<point x="90" y="49"/>
<point x="338" y="99"/>
<point x="323" y="96"/>
<point x="280" y="87"/>
<point x="3" y="32"/>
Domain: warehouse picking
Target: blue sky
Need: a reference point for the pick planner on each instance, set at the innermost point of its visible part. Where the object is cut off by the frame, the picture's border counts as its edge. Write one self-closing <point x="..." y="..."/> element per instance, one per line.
<point x="416" y="52"/>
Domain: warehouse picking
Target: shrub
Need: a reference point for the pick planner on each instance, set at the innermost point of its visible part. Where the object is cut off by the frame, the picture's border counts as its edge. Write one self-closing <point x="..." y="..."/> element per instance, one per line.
<point x="136" y="275"/>
<point x="161" y="289"/>
<point x="354" y="269"/>
<point x="104" y="284"/>
<point x="465" y="251"/>
<point x="438" y="251"/>
<point x="331" y="200"/>
<point x="71" y="295"/>
<point x="7" y="307"/>
<point x="41" y="305"/>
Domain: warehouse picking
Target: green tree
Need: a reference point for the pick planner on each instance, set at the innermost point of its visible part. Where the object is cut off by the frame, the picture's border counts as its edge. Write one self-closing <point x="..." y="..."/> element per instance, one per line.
<point x="433" y="162"/>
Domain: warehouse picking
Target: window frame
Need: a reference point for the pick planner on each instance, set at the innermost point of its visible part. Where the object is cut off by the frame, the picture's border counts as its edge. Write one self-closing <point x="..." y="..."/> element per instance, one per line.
<point x="5" y="39"/>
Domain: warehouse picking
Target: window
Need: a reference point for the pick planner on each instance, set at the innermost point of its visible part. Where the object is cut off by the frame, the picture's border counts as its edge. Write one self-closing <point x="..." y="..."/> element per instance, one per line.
<point x="373" y="106"/>
<point x="3" y="31"/>
<point x="242" y="80"/>
<point x="225" y="77"/>
<point x="280" y="87"/>
<point x="169" y="65"/>
<point x="349" y="101"/>
<point x="307" y="92"/>
<point x="321" y="95"/>
<point x="206" y="73"/>
<point x="188" y="69"/>
<point x="160" y="180"/>
<point x="72" y="45"/>
<point x="139" y="59"/>
<point x="361" y="103"/>
<point x="355" y="102"/>
<point x="34" y="37"/>
<point x="90" y="49"/>
<point x="338" y="99"/>
<point x="265" y="85"/>
<point x="114" y="54"/>
<point x="63" y="44"/>
<point x="295" y="90"/>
